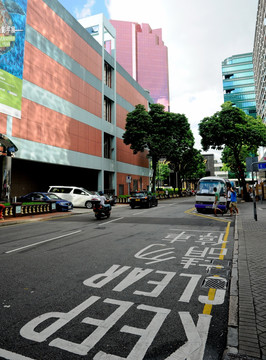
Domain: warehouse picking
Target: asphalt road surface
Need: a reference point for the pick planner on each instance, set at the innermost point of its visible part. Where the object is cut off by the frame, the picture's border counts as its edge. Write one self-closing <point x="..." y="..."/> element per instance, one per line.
<point x="143" y="284"/>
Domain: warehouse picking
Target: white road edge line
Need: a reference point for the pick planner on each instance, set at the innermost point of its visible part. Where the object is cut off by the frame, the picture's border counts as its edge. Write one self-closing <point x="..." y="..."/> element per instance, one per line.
<point x="42" y="242"/>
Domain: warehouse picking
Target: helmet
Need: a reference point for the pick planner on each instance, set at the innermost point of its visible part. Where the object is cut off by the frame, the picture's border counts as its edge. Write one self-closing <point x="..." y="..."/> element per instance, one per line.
<point x="100" y="193"/>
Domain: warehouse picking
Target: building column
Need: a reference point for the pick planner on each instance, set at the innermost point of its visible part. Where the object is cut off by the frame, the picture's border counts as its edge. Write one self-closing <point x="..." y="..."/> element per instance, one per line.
<point x="6" y="178"/>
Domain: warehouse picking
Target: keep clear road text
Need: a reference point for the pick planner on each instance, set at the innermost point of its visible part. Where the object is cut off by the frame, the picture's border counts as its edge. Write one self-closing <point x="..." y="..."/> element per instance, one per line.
<point x="130" y="320"/>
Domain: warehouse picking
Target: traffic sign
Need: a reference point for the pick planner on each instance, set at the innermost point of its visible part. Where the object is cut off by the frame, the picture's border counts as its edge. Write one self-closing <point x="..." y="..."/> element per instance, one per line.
<point x="262" y="166"/>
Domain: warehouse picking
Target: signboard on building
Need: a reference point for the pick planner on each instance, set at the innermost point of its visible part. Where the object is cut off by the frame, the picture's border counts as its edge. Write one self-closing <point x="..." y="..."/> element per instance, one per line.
<point x="262" y="166"/>
<point x="12" y="41"/>
<point x="262" y="163"/>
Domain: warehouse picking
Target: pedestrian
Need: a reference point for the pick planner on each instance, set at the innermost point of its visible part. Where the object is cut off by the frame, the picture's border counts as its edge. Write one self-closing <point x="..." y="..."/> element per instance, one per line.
<point x="233" y="203"/>
<point x="216" y="202"/>
<point x="228" y="197"/>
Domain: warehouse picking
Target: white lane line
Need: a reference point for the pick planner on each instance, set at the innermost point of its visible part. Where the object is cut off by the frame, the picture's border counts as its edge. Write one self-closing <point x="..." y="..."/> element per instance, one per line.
<point x="42" y="242"/>
<point x="12" y="356"/>
<point x="108" y="222"/>
<point x="143" y="211"/>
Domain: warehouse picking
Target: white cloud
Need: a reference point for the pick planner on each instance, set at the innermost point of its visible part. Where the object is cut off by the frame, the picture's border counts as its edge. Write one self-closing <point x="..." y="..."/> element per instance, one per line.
<point x="85" y="11"/>
<point x="199" y="36"/>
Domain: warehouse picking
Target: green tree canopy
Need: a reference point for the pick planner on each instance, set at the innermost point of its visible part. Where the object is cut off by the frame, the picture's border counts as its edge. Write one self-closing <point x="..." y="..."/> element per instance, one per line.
<point x="159" y="132"/>
<point x="235" y="132"/>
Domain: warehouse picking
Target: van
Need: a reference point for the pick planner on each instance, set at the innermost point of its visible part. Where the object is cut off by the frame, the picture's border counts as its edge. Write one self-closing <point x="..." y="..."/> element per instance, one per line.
<point x="205" y="194"/>
<point x="79" y="196"/>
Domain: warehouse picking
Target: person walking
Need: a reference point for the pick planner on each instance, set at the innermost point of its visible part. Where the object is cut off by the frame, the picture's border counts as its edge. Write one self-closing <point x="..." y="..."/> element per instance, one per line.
<point x="233" y="203"/>
<point x="216" y="202"/>
<point x="228" y="197"/>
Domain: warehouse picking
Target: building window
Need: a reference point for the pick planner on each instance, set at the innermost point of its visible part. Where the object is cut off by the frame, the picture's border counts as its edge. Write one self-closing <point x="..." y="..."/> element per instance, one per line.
<point x="107" y="75"/>
<point x="107" y="110"/>
<point x="108" y="146"/>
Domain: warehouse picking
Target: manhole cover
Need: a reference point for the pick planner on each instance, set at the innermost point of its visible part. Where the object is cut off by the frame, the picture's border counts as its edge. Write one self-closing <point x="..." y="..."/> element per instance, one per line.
<point x="214" y="282"/>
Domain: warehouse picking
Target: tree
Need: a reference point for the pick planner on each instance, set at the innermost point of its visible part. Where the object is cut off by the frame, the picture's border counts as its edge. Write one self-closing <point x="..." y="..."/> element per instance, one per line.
<point x="232" y="130"/>
<point x="162" y="172"/>
<point x="189" y="166"/>
<point x="192" y="166"/>
<point x="157" y="131"/>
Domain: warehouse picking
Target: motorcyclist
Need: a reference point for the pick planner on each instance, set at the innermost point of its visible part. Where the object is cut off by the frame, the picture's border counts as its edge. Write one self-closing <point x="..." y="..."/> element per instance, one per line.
<point x="103" y="200"/>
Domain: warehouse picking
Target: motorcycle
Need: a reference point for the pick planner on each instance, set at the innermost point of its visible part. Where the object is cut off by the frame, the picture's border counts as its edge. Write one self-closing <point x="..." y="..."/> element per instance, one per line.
<point x="101" y="211"/>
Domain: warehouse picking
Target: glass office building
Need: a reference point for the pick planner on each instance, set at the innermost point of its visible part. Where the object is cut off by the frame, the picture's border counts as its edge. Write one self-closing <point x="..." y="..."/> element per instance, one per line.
<point x="141" y="51"/>
<point x="259" y="58"/>
<point x="238" y="82"/>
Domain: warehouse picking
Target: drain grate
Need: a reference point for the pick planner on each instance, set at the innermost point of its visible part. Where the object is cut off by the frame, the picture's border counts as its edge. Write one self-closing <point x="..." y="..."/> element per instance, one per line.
<point x="219" y="272"/>
<point x="214" y="283"/>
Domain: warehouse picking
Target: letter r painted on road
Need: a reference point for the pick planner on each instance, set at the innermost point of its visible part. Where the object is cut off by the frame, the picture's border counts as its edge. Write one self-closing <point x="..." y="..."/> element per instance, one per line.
<point x="108" y="276"/>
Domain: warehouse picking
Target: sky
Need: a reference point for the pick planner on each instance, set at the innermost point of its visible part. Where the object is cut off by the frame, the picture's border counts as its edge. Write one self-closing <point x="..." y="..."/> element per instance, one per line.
<point x="199" y="35"/>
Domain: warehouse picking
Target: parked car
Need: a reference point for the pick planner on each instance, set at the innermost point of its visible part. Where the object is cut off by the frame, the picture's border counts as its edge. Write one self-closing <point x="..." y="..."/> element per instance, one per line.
<point x="79" y="196"/>
<point x="61" y="204"/>
<point x="142" y="199"/>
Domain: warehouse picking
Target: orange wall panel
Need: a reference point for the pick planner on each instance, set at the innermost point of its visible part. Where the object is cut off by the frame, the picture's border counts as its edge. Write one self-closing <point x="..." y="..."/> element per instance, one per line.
<point x="48" y="74"/>
<point x="44" y="20"/>
<point x="121" y="180"/>
<point x="128" y="92"/>
<point x="121" y="115"/>
<point x="49" y="127"/>
<point x="3" y="119"/>
<point x="125" y="154"/>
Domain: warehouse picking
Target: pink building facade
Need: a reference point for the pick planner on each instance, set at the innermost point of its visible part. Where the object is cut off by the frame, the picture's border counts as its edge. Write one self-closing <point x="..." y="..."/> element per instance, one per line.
<point x="142" y="53"/>
<point x="75" y="101"/>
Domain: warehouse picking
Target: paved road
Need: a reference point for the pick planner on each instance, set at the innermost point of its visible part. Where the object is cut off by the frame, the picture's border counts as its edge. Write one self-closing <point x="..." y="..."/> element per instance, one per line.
<point x="144" y="284"/>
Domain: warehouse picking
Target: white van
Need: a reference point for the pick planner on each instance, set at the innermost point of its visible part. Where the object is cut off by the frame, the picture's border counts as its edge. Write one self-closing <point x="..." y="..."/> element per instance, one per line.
<point x="205" y="193"/>
<point x="79" y="197"/>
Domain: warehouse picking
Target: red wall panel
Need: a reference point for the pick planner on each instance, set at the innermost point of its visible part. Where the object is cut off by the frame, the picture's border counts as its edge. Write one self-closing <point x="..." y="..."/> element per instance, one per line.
<point x="48" y="74"/>
<point x="50" y="25"/>
<point x="49" y="127"/>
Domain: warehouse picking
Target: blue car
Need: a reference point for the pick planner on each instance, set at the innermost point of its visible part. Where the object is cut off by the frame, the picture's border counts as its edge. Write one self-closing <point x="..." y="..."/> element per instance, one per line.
<point x="61" y="204"/>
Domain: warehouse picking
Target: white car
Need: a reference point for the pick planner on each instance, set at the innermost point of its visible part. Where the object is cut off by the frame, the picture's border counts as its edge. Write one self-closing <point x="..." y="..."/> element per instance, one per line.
<point x="79" y="197"/>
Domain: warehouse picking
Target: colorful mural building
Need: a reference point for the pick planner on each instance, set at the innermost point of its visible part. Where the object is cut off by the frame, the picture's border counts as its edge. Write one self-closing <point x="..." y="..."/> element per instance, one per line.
<point x="74" y="103"/>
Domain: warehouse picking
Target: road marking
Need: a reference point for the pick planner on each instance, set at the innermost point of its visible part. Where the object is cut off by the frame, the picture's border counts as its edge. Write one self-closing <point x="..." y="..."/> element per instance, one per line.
<point x="42" y="242"/>
<point x="208" y="307"/>
<point x="211" y="295"/>
<point x="221" y="257"/>
<point x="12" y="356"/>
<point x="108" y="222"/>
<point x="143" y="211"/>
<point x="191" y="212"/>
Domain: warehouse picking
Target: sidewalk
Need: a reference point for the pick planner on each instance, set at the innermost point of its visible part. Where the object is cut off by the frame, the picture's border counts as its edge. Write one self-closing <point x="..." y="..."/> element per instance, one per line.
<point x="247" y="313"/>
<point x="40" y="217"/>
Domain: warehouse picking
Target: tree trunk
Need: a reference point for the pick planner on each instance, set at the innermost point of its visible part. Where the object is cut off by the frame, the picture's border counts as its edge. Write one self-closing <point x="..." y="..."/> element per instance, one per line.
<point x="154" y="165"/>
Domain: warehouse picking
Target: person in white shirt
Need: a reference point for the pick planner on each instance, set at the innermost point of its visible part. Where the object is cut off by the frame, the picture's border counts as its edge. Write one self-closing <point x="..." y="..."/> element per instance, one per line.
<point x="103" y="200"/>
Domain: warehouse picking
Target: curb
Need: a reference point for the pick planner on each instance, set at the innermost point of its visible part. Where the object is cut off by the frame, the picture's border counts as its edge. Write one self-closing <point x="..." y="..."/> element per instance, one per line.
<point x="34" y="218"/>
<point x="232" y="348"/>
<point x="232" y="335"/>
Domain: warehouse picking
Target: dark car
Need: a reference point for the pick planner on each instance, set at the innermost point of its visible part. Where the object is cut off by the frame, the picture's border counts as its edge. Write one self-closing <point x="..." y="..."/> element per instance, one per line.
<point x="61" y="204"/>
<point x="142" y="199"/>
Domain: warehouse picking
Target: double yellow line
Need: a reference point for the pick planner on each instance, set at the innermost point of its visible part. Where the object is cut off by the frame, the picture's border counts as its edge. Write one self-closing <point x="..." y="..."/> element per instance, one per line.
<point x="211" y="294"/>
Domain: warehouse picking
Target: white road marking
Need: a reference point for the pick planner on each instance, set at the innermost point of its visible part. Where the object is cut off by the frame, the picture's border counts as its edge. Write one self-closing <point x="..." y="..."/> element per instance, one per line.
<point x="42" y="242"/>
<point x="12" y="356"/>
<point x="200" y="231"/>
<point x="108" y="222"/>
